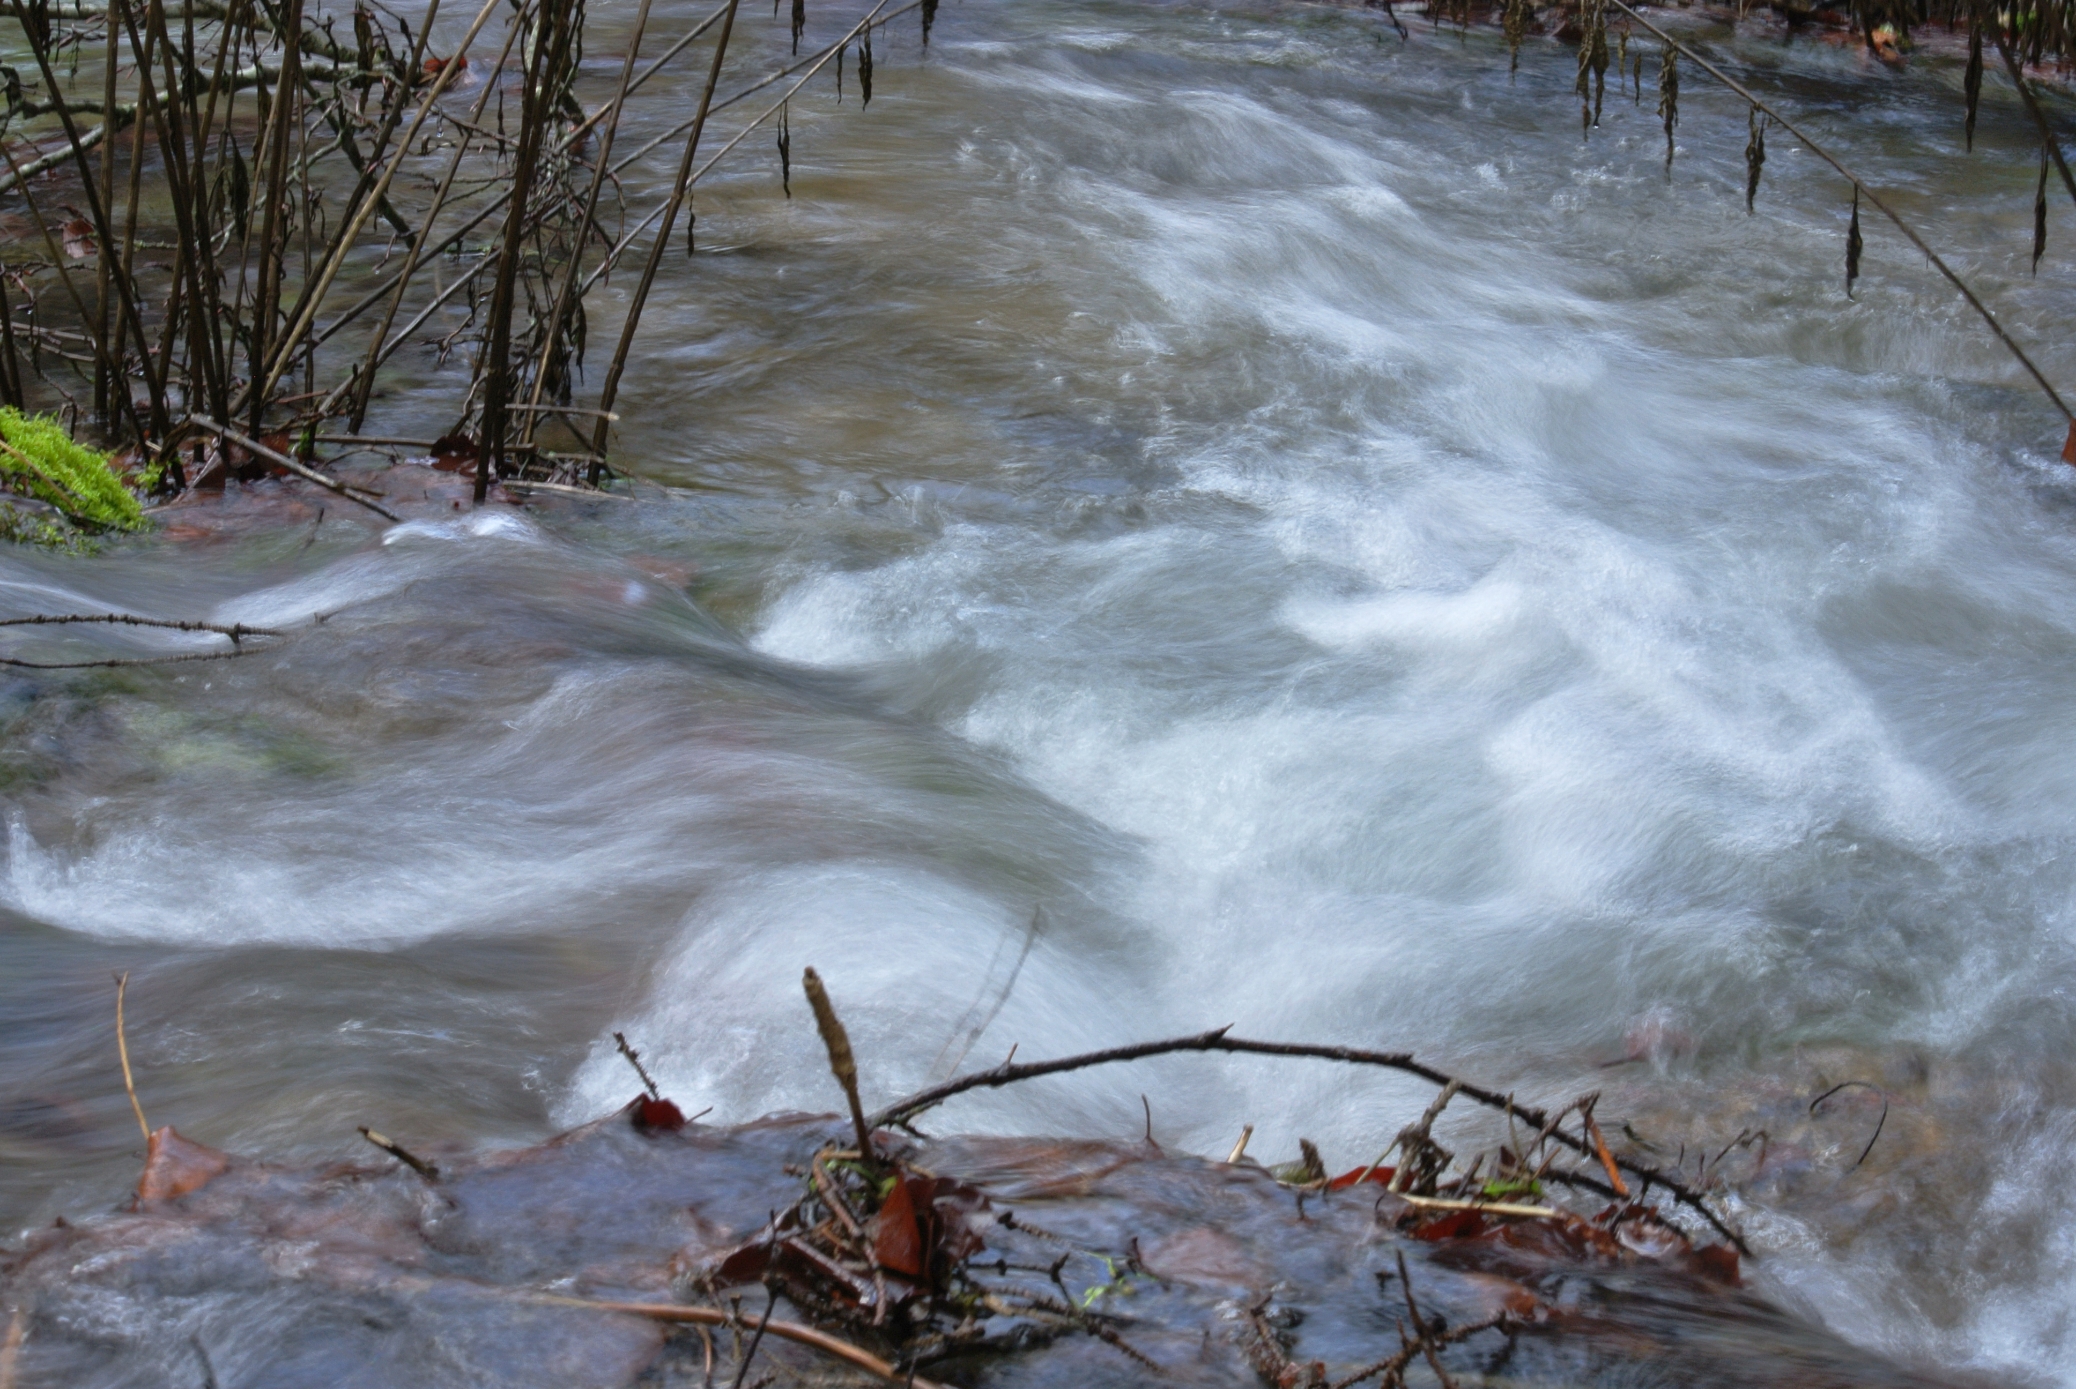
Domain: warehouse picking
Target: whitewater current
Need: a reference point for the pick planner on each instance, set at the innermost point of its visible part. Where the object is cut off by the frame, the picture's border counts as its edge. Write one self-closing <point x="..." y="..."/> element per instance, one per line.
<point x="1185" y="516"/>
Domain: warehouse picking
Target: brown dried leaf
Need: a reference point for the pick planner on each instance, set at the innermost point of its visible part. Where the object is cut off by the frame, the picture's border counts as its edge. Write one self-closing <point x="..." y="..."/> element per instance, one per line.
<point x="79" y="239"/>
<point x="175" y="1166"/>
<point x="897" y="1244"/>
<point x="454" y="453"/>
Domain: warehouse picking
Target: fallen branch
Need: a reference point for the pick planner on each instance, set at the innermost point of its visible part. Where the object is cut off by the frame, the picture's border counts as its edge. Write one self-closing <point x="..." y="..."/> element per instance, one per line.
<point x="282" y="460"/>
<point x="236" y="631"/>
<point x="785" y="1330"/>
<point x="126" y="660"/>
<point x="401" y="1154"/>
<point x="901" y="1111"/>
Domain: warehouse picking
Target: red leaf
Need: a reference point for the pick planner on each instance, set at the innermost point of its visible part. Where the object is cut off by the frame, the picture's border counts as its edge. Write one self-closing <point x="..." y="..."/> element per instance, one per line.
<point x="657" y="1114"/>
<point x="1454" y="1225"/>
<point x="434" y="66"/>
<point x="2069" y="444"/>
<point x="1380" y="1175"/>
<point x="454" y="453"/>
<point x="897" y="1243"/>
<point x="1719" y="1261"/>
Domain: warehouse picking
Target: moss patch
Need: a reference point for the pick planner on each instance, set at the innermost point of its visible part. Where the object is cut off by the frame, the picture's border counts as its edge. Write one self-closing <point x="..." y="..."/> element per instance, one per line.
<point x="39" y="459"/>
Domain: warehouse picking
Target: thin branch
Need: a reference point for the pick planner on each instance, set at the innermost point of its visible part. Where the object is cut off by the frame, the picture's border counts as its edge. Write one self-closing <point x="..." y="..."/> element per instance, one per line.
<point x="237" y="631"/>
<point x="1820" y="152"/>
<point x="282" y="460"/>
<point x="784" y="1330"/>
<point x="902" y="1111"/>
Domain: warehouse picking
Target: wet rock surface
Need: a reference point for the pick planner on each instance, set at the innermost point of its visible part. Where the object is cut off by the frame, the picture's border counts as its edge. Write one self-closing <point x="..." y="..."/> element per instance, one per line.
<point x="1186" y="1271"/>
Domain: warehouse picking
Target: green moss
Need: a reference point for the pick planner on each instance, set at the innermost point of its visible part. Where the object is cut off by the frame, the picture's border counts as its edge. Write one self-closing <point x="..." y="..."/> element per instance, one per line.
<point x="41" y="460"/>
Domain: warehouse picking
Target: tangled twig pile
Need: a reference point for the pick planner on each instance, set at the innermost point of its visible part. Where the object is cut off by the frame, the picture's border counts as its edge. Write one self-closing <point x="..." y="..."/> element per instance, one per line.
<point x="914" y="1267"/>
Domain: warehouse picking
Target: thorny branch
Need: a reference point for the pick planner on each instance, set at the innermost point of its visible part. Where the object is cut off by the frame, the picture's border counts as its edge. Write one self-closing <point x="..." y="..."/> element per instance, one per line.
<point x="1216" y="1040"/>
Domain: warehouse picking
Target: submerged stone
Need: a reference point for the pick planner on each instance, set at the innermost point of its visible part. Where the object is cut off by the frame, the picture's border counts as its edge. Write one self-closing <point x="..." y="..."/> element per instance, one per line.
<point x="248" y="1275"/>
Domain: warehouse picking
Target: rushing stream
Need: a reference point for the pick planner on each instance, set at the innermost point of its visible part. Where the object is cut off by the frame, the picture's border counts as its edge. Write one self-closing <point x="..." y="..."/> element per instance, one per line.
<point x="1256" y="511"/>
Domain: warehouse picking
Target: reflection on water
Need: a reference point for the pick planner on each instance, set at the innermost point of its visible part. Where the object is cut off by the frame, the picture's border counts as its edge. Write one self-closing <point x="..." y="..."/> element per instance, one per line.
<point x="1262" y="502"/>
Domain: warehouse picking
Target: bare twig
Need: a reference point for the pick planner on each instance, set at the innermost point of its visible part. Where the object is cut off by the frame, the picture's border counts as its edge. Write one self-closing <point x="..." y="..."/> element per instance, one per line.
<point x="122" y="1048"/>
<point x="711" y="1316"/>
<point x="634" y="1059"/>
<point x="1878" y="1123"/>
<point x="397" y="1150"/>
<point x="236" y="631"/>
<point x="770" y="1305"/>
<point x="282" y="460"/>
<point x="1216" y="1040"/>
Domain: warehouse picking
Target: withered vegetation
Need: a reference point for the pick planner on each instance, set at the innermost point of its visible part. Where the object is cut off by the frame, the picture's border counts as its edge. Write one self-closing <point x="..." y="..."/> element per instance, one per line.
<point x="235" y="213"/>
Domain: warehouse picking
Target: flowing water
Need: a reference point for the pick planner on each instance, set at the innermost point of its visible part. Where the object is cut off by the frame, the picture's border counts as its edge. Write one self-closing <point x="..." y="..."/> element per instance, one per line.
<point x="1250" y="510"/>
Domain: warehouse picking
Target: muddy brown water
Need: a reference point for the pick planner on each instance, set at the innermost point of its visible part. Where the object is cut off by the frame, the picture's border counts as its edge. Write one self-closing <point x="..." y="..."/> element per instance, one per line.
<point x="1265" y="503"/>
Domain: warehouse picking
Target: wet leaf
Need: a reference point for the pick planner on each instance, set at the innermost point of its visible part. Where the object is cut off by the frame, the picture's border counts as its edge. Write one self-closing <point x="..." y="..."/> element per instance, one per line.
<point x="237" y="190"/>
<point x="929" y="18"/>
<point x="1453" y="1225"/>
<point x="175" y="1166"/>
<point x="865" y="68"/>
<point x="1719" y="1261"/>
<point x="657" y="1114"/>
<point x="897" y="1242"/>
<point x="785" y="149"/>
<point x="800" y="23"/>
<point x="1853" y="245"/>
<point x="1754" y="157"/>
<point x="1380" y="1175"/>
<point x="79" y="239"/>
<point x="2040" y="212"/>
<point x="454" y="453"/>
<point x="1669" y="98"/>
<point x="1971" y="83"/>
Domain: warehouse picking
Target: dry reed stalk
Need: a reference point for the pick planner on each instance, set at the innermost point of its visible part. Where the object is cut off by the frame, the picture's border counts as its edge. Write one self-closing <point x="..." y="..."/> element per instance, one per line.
<point x="633" y="320"/>
<point x="537" y="108"/>
<point x="300" y="321"/>
<point x="122" y="1047"/>
<point x="1860" y="189"/>
<point x="364" y="386"/>
<point x="559" y="313"/>
<point x="842" y="1064"/>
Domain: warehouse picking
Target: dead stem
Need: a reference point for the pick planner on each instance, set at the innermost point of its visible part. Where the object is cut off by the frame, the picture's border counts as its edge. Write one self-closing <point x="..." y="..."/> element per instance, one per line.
<point x="789" y="1331"/>
<point x="122" y="1047"/>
